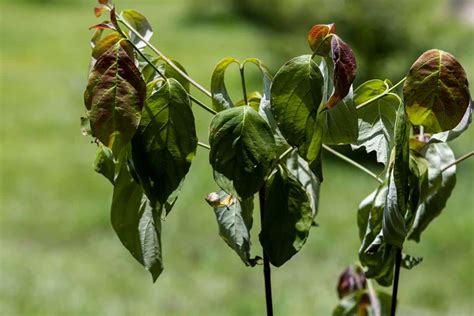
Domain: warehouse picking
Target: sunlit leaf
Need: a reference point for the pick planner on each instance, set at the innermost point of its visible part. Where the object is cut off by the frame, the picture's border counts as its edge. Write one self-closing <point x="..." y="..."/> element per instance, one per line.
<point x="114" y="97"/>
<point x="235" y="221"/>
<point x="140" y="24"/>
<point x="165" y="142"/>
<point x="137" y="223"/>
<point x="220" y="97"/>
<point x="319" y="38"/>
<point x="287" y="217"/>
<point x="296" y="95"/>
<point x="377" y="119"/>
<point x="242" y="148"/>
<point x="344" y="70"/>
<point x="436" y="92"/>
<point x="104" y="44"/>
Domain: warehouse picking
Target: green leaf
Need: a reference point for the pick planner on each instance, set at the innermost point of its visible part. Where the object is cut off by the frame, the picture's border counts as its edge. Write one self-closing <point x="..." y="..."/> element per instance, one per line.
<point x="137" y="223"/>
<point x="340" y="122"/>
<point x="344" y="70"/>
<point x="104" y="163"/>
<point x="436" y="92"/>
<point x="457" y="131"/>
<point x="220" y="97"/>
<point x="296" y="95"/>
<point x="104" y="44"/>
<point x="377" y="119"/>
<point x="114" y="97"/>
<point x="165" y="142"/>
<point x="242" y="148"/>
<point x="302" y="172"/>
<point x="319" y="38"/>
<point x="287" y="217"/>
<point x="140" y="24"/>
<point x="235" y="221"/>
<point x="409" y="262"/>
<point x="394" y="227"/>
<point x="441" y="184"/>
<point x="360" y="304"/>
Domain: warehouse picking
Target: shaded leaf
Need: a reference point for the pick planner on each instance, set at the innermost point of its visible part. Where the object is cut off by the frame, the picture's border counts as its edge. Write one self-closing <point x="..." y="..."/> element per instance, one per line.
<point x="165" y="142"/>
<point x="409" y="262"/>
<point x="436" y="92"/>
<point x="104" y="163"/>
<point x="220" y="97"/>
<point x="351" y="280"/>
<point x="140" y="24"/>
<point x="441" y="184"/>
<point x="319" y="38"/>
<point x="137" y="223"/>
<point x="114" y="97"/>
<point x="296" y="95"/>
<point x="287" y="217"/>
<point x="340" y="122"/>
<point x="235" y="220"/>
<point x="377" y="119"/>
<point x="242" y="148"/>
<point x="344" y="70"/>
<point x="455" y="132"/>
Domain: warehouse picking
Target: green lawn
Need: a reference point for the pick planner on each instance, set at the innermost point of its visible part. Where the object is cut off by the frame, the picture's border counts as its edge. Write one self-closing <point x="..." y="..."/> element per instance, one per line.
<point x="58" y="252"/>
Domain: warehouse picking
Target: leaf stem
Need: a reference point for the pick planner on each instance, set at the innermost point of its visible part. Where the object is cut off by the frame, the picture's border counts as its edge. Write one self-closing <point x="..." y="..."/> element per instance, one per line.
<point x="166" y="59"/>
<point x="460" y="159"/>
<point x="352" y="162"/>
<point x="266" y="262"/>
<point x="364" y="104"/>
<point x="203" y="145"/>
<point x="244" y="89"/>
<point x="201" y="104"/>
<point x="398" y="263"/>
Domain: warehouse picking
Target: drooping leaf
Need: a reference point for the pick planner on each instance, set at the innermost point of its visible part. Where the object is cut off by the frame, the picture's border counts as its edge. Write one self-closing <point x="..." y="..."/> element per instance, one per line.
<point x="114" y="97"/>
<point x="220" y="97"/>
<point x="394" y="227"/>
<point x="441" y="184"/>
<point x="165" y="142"/>
<point x="104" y="163"/>
<point x="319" y="38"/>
<point x="301" y="171"/>
<point x="136" y="222"/>
<point x="344" y="70"/>
<point x="458" y="130"/>
<point x="296" y="95"/>
<point x="287" y="217"/>
<point x="242" y="149"/>
<point x="140" y="24"/>
<point x="234" y="220"/>
<point x="377" y="119"/>
<point x="436" y="92"/>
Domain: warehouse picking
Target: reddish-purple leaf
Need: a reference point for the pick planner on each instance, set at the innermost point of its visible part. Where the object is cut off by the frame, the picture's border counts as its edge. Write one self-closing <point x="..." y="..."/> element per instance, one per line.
<point x="105" y="2"/>
<point x="436" y="92"/>
<point x="114" y="97"/>
<point x="99" y="10"/>
<point x="319" y="38"/>
<point x="104" y="44"/>
<point x="344" y="70"/>
<point x="104" y="26"/>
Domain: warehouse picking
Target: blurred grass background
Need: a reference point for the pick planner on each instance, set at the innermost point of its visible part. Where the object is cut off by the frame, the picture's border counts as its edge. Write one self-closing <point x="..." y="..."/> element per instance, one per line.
<point x="58" y="252"/>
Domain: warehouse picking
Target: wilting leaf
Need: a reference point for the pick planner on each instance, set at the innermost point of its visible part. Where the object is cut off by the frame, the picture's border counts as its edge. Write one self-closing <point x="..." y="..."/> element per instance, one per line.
<point x="344" y="70"/>
<point x="104" y="163"/>
<point x="319" y="38"/>
<point x="436" y="92"/>
<point x="455" y="132"/>
<point x="220" y="97"/>
<point x="137" y="223"/>
<point x="301" y="171"/>
<point x="377" y="119"/>
<point x="140" y="24"/>
<point x="242" y="148"/>
<point x="287" y="217"/>
<point x="394" y="227"/>
<point x="296" y="95"/>
<point x="114" y="97"/>
<point x="235" y="220"/>
<point x="165" y="142"/>
<point x="441" y="184"/>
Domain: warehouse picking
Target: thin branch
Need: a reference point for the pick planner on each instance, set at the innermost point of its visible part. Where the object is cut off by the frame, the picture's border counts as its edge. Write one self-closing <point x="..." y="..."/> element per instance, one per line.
<point x="460" y="159"/>
<point x="352" y="162"/>
<point x="360" y="106"/>
<point x="166" y="59"/>
<point x="398" y="263"/>
<point x="201" y="104"/>
<point x="266" y="261"/>
<point x="244" y="89"/>
<point x="203" y="145"/>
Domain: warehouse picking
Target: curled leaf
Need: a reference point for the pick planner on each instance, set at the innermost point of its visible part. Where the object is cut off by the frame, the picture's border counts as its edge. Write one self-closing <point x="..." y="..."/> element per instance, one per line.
<point x="436" y="91"/>
<point x="220" y="97"/>
<point x="319" y="38"/>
